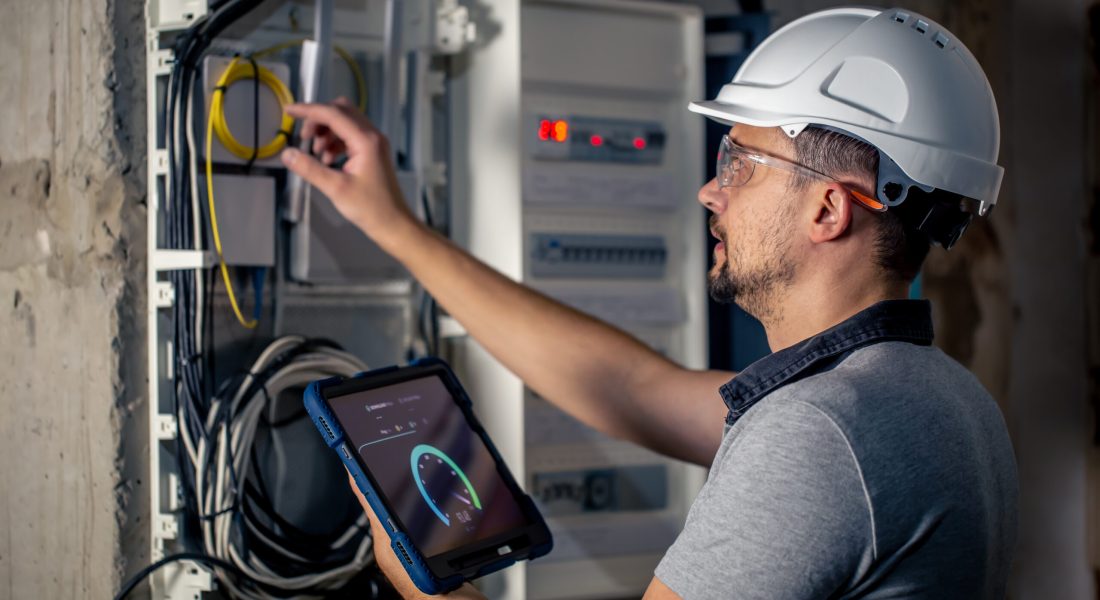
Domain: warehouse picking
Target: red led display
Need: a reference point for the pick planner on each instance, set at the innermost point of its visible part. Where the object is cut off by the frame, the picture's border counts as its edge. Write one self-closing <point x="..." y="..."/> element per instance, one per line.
<point x="560" y="132"/>
<point x="639" y="143"/>
<point x="596" y="140"/>
<point x="545" y="128"/>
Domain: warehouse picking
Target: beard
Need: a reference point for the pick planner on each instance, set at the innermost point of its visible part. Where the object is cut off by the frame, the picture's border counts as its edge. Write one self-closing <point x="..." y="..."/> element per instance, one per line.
<point x="756" y="287"/>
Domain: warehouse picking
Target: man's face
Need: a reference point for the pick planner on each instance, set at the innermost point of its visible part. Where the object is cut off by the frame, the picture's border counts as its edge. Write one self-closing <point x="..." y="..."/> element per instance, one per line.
<point x="754" y="223"/>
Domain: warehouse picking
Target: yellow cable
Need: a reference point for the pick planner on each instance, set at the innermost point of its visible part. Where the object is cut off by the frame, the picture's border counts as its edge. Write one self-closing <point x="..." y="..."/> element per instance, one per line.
<point x="353" y="66"/>
<point x="217" y="125"/>
<point x="277" y="48"/>
<point x="236" y="71"/>
<point x="360" y="81"/>
<point x="219" y="92"/>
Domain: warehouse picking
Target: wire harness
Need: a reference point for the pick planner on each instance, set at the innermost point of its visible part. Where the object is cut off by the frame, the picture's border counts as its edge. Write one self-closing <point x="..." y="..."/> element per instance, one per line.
<point x="228" y="522"/>
<point x="239" y="526"/>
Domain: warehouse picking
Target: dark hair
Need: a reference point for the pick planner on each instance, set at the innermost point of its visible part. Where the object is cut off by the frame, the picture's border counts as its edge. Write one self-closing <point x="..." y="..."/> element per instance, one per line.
<point x="899" y="249"/>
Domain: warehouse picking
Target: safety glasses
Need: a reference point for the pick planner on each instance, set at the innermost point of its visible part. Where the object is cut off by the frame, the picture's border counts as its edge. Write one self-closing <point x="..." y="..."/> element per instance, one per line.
<point x="736" y="165"/>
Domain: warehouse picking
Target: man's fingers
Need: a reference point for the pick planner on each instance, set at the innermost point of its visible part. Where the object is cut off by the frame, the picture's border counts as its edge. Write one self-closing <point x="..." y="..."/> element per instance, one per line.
<point x="378" y="532"/>
<point x="328" y="143"/>
<point x="323" y="178"/>
<point x="311" y="129"/>
<point x="338" y="120"/>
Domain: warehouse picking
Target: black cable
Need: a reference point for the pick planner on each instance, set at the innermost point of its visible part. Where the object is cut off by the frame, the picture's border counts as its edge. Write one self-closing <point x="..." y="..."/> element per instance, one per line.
<point x="255" y="115"/>
<point x="434" y="316"/>
<point x="193" y="382"/>
<point x="189" y="49"/>
<point x="427" y="207"/>
<point x="190" y="383"/>
<point x="260" y="533"/>
<point x="140" y="576"/>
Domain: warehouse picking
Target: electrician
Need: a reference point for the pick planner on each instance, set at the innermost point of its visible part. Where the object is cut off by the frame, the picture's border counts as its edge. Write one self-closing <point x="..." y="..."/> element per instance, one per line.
<point x="857" y="460"/>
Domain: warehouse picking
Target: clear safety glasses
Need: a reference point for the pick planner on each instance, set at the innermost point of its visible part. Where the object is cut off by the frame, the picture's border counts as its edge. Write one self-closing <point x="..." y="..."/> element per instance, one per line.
<point x="736" y="165"/>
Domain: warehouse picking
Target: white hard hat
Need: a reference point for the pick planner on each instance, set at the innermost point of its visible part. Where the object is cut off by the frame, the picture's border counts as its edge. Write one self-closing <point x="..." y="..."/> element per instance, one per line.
<point x="892" y="78"/>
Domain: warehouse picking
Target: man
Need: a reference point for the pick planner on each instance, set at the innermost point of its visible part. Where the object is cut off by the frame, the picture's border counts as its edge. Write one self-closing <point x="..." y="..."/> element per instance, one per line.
<point x="855" y="461"/>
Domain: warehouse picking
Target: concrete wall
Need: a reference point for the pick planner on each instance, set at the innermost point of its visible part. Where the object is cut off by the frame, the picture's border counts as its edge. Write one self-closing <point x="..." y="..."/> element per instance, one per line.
<point x="72" y="367"/>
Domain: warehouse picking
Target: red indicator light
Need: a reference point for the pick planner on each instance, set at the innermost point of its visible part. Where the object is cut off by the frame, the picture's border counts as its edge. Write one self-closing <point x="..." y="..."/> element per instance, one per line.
<point x="596" y="140"/>
<point x="561" y="131"/>
<point x="545" y="127"/>
<point x="639" y="143"/>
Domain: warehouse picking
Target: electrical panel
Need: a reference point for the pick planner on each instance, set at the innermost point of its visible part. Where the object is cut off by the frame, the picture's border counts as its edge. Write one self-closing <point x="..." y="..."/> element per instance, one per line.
<point x="243" y="258"/>
<point x="558" y="149"/>
<point x="326" y="249"/>
<point x="579" y="167"/>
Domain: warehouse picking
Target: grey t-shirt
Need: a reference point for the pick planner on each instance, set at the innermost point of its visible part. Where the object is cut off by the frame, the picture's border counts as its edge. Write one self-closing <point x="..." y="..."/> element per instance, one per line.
<point x="888" y="475"/>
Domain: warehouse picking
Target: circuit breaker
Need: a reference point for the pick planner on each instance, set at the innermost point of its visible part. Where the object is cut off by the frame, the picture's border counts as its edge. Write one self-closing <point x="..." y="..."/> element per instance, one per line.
<point x="583" y="166"/>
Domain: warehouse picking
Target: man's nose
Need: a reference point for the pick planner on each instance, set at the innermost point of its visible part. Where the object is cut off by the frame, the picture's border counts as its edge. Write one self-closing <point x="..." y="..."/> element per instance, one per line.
<point x="712" y="197"/>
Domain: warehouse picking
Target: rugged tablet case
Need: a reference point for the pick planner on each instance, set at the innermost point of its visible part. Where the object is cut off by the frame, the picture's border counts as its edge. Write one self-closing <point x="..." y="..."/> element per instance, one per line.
<point x="401" y="543"/>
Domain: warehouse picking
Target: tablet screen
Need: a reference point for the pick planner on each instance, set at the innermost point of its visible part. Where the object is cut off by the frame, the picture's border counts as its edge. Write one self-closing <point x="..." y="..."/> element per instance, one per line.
<point x="435" y="473"/>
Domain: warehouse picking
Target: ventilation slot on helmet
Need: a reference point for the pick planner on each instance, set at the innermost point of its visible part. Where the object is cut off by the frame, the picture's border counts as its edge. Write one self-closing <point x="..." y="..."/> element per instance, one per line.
<point x="892" y="190"/>
<point x="901" y="17"/>
<point x="921" y="26"/>
<point x="940" y="40"/>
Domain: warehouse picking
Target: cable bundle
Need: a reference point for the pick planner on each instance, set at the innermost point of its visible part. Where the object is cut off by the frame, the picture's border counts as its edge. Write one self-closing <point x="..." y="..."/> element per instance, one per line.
<point x="253" y="551"/>
<point x="238" y="524"/>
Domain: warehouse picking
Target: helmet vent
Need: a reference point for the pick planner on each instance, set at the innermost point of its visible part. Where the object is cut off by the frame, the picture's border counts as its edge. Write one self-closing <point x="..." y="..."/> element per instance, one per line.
<point x="901" y="17"/>
<point x="921" y="26"/>
<point x="892" y="190"/>
<point x="940" y="40"/>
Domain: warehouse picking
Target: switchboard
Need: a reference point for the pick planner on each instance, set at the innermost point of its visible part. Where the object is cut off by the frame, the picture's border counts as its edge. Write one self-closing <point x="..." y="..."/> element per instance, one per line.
<point x="577" y="169"/>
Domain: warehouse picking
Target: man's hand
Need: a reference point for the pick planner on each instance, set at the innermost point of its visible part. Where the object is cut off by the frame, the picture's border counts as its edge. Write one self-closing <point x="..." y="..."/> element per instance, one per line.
<point x="365" y="188"/>
<point x="391" y="565"/>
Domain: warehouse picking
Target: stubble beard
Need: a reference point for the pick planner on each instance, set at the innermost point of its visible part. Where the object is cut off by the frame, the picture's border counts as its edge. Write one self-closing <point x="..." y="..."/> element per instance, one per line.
<point x="758" y="288"/>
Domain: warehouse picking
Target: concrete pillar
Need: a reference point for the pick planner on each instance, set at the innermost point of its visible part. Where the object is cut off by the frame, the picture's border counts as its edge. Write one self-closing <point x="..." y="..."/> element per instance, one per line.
<point x="72" y="231"/>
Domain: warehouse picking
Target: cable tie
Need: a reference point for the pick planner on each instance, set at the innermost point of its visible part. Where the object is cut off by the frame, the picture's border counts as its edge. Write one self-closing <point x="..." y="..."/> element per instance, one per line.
<point x="191" y="359"/>
<point x="226" y="510"/>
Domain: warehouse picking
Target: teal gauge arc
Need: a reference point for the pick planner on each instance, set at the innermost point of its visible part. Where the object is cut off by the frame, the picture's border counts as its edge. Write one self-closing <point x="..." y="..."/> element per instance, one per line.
<point x="428" y="462"/>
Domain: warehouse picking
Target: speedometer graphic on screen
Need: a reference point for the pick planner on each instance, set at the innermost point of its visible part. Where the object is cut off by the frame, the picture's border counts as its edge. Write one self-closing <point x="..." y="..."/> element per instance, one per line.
<point x="440" y="480"/>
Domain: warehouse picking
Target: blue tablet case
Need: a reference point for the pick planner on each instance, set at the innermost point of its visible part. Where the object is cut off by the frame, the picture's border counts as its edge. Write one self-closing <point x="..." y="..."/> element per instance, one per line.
<point x="402" y="545"/>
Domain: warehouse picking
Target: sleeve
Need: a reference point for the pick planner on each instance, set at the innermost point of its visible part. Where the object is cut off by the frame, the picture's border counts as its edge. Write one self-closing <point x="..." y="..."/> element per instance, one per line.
<point x="784" y="513"/>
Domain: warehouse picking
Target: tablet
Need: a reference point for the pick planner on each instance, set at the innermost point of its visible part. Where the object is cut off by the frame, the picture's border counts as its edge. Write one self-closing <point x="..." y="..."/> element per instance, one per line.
<point x="422" y="460"/>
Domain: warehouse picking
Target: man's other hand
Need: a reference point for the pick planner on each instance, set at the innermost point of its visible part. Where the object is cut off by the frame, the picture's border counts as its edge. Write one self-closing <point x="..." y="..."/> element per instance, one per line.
<point x="391" y="565"/>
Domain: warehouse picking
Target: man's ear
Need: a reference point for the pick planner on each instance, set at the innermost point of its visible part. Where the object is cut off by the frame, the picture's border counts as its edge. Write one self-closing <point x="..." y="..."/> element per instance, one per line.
<point x="832" y="213"/>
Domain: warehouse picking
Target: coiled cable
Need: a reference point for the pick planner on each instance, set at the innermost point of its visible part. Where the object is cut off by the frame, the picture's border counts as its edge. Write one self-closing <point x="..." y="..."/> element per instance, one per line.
<point x="224" y="471"/>
<point x="234" y="72"/>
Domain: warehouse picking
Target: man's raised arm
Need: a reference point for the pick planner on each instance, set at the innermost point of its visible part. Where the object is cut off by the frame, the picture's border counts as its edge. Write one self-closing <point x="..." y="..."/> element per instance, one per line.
<point x="597" y="373"/>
